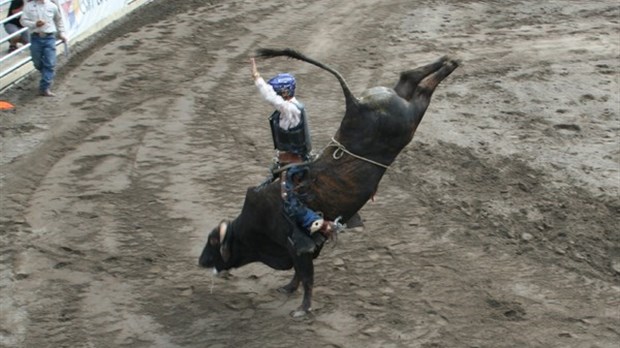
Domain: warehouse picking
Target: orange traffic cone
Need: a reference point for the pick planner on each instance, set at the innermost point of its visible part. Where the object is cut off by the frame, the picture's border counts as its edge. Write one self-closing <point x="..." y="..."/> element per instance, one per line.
<point x="5" y="105"/>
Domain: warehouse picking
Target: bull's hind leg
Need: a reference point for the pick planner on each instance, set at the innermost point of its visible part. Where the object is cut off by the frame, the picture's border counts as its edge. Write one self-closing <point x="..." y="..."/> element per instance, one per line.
<point x="422" y="94"/>
<point x="410" y="79"/>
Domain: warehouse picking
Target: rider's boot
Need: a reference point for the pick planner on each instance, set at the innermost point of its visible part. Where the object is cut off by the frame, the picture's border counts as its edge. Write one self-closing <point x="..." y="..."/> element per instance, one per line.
<point x="327" y="228"/>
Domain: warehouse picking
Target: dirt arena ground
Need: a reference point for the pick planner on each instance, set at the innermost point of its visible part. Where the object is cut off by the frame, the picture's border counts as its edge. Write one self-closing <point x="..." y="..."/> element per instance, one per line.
<point x="496" y="227"/>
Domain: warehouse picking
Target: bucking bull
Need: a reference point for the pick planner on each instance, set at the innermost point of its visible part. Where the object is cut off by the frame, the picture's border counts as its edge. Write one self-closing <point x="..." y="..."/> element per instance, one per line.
<point x="375" y="128"/>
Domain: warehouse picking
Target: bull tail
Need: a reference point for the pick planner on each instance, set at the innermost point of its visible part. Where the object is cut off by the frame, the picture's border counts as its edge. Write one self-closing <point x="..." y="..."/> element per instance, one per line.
<point x="287" y="52"/>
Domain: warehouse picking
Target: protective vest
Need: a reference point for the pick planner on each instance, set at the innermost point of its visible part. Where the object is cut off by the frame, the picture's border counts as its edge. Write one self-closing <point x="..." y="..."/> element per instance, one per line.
<point x="296" y="139"/>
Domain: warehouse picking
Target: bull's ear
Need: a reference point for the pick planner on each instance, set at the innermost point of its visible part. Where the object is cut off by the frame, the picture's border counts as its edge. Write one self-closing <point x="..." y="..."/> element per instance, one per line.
<point x="224" y="247"/>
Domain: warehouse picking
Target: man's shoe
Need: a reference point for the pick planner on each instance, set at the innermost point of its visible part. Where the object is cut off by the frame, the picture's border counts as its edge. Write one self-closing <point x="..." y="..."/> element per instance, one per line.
<point x="47" y="93"/>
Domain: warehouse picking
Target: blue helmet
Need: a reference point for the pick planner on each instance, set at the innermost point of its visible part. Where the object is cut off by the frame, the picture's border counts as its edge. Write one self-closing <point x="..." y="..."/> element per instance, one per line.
<point x="283" y="82"/>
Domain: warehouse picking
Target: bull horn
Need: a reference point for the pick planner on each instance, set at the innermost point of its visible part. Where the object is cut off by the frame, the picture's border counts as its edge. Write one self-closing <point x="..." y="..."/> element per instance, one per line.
<point x="224" y="249"/>
<point x="223" y="227"/>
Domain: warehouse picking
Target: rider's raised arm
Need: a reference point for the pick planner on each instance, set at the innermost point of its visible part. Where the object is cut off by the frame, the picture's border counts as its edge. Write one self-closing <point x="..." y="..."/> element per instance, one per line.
<point x="290" y="114"/>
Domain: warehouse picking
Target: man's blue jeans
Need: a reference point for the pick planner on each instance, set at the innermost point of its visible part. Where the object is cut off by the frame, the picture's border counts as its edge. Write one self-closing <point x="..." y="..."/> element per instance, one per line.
<point x="43" y="53"/>
<point x="293" y="206"/>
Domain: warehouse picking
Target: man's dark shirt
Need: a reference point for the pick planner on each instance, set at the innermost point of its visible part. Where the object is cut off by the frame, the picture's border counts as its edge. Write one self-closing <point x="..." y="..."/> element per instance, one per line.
<point x="15" y="4"/>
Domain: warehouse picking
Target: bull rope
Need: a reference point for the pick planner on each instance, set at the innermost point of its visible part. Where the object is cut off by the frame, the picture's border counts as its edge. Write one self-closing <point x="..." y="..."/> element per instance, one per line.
<point x="341" y="149"/>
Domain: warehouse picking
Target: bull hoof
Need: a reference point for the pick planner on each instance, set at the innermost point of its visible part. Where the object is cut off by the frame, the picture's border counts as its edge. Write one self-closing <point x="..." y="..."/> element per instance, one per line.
<point x="286" y="290"/>
<point x="453" y="63"/>
<point x="301" y="314"/>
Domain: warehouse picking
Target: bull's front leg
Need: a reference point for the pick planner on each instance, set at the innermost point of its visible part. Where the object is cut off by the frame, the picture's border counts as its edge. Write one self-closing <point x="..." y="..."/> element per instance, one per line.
<point x="292" y="286"/>
<point x="304" y="269"/>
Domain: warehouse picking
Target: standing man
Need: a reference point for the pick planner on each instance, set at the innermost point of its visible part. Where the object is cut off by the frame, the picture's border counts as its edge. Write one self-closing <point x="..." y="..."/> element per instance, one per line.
<point x="13" y="26"/>
<point x="44" y="22"/>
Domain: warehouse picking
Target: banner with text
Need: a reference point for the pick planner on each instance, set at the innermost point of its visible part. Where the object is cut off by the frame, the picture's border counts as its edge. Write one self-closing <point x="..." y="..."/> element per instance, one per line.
<point x="81" y="15"/>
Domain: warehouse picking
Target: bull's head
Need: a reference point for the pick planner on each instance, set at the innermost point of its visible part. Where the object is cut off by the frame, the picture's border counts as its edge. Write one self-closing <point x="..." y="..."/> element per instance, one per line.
<point x="216" y="252"/>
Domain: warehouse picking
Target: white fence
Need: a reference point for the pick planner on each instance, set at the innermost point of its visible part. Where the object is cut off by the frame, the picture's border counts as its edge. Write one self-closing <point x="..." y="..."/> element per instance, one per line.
<point x="82" y="18"/>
